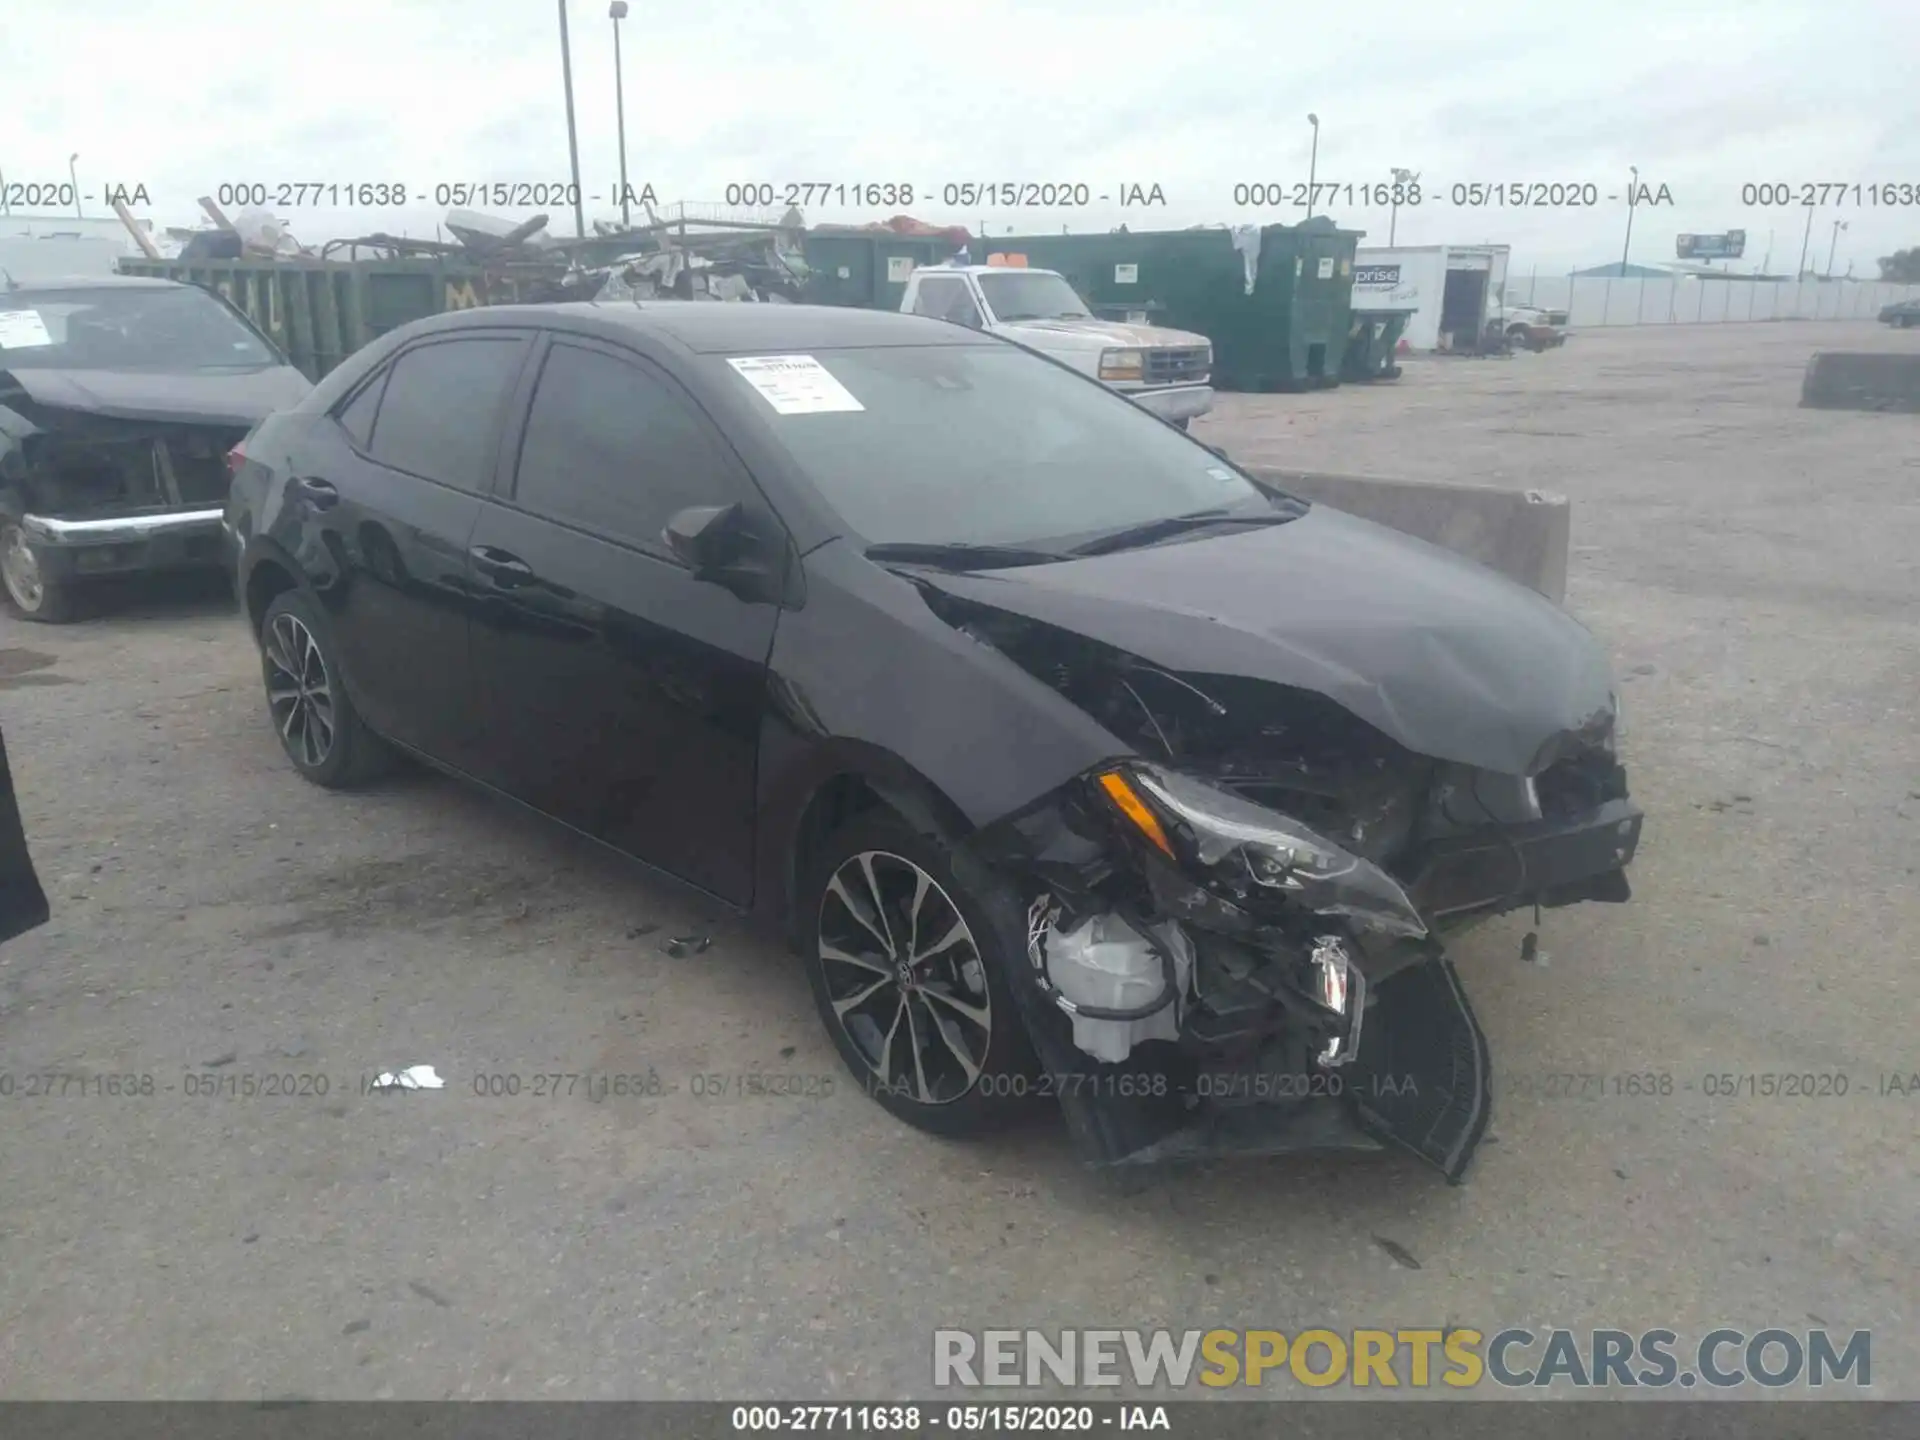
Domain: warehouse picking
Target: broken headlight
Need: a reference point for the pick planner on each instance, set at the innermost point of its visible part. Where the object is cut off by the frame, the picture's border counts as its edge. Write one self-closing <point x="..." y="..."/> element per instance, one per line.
<point x="1216" y="834"/>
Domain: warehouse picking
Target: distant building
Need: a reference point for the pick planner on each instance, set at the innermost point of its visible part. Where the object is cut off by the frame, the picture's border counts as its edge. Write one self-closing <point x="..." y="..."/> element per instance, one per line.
<point x="1618" y="271"/>
<point x="52" y="247"/>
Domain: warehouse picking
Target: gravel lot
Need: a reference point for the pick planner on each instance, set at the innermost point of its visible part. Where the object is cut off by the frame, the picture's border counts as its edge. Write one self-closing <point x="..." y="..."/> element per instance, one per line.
<point x="1753" y="568"/>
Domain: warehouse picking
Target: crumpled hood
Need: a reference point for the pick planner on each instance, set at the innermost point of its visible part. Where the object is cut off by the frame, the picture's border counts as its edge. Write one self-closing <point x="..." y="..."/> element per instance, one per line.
<point x="1448" y="658"/>
<point x="230" y="397"/>
<point x="1113" y="332"/>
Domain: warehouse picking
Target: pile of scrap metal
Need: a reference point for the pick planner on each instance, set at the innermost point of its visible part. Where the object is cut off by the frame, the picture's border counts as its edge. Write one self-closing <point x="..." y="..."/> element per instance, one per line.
<point x="669" y="259"/>
<point x="250" y="235"/>
<point x="475" y="237"/>
<point x="708" y="260"/>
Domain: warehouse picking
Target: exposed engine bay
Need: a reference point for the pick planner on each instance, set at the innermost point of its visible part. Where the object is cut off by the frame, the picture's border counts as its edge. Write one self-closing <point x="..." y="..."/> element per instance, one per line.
<point x="1234" y="939"/>
<point x="80" y="466"/>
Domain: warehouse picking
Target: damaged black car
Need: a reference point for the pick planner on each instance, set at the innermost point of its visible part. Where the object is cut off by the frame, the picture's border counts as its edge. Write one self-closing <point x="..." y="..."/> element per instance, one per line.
<point x="120" y="399"/>
<point x="1075" y="762"/>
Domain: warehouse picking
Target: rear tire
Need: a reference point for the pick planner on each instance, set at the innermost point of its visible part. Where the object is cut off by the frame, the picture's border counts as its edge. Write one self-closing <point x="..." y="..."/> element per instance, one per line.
<point x="908" y="949"/>
<point x="321" y="732"/>
<point x="33" y="594"/>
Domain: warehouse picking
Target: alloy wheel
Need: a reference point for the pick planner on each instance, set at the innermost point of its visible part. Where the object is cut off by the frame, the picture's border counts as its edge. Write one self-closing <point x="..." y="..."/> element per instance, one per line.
<point x="299" y="690"/>
<point x="905" y="978"/>
<point x="21" y="570"/>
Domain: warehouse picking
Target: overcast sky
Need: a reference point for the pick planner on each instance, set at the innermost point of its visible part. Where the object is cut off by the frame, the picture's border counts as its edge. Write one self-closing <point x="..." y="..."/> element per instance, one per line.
<point x="1195" y="98"/>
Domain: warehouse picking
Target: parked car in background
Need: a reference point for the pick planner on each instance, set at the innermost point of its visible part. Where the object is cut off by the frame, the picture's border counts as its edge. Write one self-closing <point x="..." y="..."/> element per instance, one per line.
<point x="1167" y="372"/>
<point x="1054" y="742"/>
<point x="1526" y="327"/>
<point x="119" y="400"/>
<point x="1901" y="314"/>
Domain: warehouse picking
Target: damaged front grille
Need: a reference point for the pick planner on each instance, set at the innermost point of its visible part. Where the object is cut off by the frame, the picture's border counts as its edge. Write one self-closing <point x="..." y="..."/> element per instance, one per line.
<point x="112" y="468"/>
<point x="1579" y="785"/>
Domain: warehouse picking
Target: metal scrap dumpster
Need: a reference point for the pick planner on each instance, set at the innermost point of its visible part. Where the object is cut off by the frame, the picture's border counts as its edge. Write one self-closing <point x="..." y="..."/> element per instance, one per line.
<point x="1275" y="301"/>
<point x="867" y="269"/>
<point x="321" y="311"/>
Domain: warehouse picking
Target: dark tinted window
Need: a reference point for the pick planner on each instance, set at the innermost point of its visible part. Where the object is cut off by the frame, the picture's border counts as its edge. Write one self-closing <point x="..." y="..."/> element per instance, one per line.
<point x="442" y="403"/>
<point x="614" y="450"/>
<point x="356" y="417"/>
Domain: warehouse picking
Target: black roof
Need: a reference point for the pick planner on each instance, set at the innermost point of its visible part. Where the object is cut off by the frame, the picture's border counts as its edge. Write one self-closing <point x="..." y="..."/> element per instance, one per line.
<point x="89" y="282"/>
<point x="710" y="327"/>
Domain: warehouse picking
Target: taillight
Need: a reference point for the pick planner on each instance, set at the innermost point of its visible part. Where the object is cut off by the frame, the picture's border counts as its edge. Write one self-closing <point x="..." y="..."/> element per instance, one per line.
<point x="236" y="457"/>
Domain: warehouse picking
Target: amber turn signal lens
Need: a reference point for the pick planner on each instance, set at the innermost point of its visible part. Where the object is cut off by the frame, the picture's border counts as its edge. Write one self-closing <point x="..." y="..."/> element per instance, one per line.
<point x="1135" y="809"/>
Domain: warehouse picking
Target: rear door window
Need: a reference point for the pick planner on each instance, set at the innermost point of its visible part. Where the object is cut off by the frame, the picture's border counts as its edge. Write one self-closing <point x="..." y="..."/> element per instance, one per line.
<point x="614" y="449"/>
<point x="442" y="409"/>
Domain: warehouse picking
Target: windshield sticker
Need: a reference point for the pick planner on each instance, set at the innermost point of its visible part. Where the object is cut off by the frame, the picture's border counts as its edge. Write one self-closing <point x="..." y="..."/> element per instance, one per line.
<point x="795" y="384"/>
<point x="22" y="330"/>
<point x="1217" y="473"/>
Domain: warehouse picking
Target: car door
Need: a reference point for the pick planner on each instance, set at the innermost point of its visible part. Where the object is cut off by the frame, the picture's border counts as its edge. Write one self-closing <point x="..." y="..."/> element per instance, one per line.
<point x="617" y="692"/>
<point x="389" y="495"/>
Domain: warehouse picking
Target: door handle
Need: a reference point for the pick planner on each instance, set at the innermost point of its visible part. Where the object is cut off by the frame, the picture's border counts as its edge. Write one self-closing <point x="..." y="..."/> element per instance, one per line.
<point x="503" y="569"/>
<point x="318" y="493"/>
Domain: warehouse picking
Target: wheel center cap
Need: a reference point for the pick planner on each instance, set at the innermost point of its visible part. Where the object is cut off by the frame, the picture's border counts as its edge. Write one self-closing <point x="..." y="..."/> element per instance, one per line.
<point x="903" y="971"/>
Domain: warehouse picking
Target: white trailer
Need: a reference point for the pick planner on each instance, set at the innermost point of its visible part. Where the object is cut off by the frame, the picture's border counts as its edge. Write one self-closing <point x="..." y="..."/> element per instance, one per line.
<point x="1451" y="289"/>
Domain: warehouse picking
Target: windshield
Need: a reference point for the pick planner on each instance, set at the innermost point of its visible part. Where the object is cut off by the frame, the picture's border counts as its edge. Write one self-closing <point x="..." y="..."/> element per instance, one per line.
<point x="990" y="445"/>
<point x="1017" y="295"/>
<point x="175" y="329"/>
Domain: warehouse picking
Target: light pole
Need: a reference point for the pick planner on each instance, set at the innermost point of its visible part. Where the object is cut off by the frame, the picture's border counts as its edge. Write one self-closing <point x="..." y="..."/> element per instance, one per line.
<point x="1627" y="244"/>
<point x="1402" y="178"/>
<point x="618" y="12"/>
<point x="573" y="137"/>
<point x="1313" y="161"/>
<point x="74" y="175"/>
<point x="1805" y="240"/>
<point x="1838" y="226"/>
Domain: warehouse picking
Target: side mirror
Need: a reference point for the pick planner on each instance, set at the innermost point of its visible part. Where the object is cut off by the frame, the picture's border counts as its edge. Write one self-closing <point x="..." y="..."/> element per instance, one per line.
<point x="706" y="538"/>
<point x="1219" y="450"/>
<point x="718" y="543"/>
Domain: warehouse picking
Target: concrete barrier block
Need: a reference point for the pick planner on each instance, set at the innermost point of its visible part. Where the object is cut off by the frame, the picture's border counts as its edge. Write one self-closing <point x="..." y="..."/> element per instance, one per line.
<point x="1862" y="380"/>
<point x="1523" y="534"/>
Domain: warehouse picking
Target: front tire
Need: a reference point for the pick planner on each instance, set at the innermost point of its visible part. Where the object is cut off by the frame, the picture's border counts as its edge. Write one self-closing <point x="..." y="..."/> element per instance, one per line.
<point x="34" y="594"/>
<point x="908" y="950"/>
<point x="321" y="732"/>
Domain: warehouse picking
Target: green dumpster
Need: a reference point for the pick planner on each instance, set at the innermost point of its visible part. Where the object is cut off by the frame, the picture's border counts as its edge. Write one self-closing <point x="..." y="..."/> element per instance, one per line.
<point x="1372" y="339"/>
<point x="867" y="269"/>
<point x="321" y="311"/>
<point x="1288" y="332"/>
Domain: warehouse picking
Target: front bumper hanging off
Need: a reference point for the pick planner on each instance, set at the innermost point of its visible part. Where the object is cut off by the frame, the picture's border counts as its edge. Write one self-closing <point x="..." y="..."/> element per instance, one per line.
<point x="119" y="544"/>
<point x="1419" y="1075"/>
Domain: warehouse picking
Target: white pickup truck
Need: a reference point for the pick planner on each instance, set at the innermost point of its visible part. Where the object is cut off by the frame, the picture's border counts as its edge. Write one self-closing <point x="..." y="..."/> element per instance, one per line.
<point x="1165" y="371"/>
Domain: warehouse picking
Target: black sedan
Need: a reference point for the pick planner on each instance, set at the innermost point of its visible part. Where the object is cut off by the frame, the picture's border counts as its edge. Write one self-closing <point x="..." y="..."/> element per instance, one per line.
<point x="1073" y="761"/>
<point x="1901" y="314"/>
<point x="120" y="399"/>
